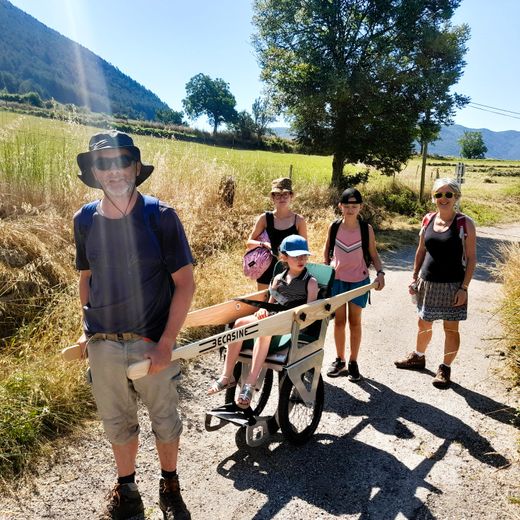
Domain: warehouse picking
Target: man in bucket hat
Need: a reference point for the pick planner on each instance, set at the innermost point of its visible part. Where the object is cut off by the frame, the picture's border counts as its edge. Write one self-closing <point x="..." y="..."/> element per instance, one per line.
<point x="136" y="286"/>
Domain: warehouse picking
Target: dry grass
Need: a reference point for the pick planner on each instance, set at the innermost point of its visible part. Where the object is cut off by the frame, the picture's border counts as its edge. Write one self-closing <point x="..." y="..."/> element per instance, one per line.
<point x="35" y="262"/>
<point x="510" y="305"/>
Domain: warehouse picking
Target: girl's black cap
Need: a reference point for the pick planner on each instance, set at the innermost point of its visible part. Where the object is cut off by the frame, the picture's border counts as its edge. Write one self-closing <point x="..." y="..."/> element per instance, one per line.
<point x="351" y="193"/>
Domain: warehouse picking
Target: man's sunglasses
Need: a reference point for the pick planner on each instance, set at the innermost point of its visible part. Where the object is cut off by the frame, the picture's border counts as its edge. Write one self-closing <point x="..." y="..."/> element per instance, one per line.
<point x="117" y="163"/>
<point x="448" y="195"/>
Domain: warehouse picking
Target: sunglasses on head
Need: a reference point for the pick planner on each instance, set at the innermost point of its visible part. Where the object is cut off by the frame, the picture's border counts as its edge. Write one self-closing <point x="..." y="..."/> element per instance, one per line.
<point x="116" y="163"/>
<point x="448" y="195"/>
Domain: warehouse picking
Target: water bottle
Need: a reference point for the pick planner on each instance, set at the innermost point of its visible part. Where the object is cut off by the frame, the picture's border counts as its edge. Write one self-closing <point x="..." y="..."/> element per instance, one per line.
<point x="413" y="291"/>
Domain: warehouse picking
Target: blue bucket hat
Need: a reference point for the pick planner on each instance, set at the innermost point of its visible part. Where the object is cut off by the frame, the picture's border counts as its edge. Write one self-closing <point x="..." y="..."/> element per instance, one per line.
<point x="108" y="141"/>
<point x="294" y="245"/>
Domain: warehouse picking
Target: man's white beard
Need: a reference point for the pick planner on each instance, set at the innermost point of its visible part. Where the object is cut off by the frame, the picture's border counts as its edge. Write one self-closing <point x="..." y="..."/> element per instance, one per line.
<point x="124" y="190"/>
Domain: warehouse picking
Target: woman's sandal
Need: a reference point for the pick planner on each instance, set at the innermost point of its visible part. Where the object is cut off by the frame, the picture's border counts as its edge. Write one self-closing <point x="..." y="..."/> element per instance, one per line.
<point x="245" y="396"/>
<point x="222" y="383"/>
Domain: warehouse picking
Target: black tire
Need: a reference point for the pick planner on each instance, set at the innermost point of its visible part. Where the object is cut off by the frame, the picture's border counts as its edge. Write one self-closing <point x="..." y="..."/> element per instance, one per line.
<point x="260" y="398"/>
<point x="297" y="421"/>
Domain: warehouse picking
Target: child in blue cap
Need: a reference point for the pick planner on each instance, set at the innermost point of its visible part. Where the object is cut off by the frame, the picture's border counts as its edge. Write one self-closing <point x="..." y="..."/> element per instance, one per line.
<point x="293" y="287"/>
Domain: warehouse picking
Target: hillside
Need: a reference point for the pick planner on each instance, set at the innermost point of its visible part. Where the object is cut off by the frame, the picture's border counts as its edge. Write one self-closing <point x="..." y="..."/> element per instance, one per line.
<point x="34" y="57"/>
<point x="501" y="145"/>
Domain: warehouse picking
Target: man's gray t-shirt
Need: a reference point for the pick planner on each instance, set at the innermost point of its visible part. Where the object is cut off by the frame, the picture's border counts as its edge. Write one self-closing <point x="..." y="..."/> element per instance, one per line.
<point x="130" y="286"/>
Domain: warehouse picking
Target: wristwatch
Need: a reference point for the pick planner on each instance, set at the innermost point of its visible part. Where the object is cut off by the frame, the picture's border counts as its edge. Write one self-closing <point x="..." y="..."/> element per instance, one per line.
<point x="380" y="272"/>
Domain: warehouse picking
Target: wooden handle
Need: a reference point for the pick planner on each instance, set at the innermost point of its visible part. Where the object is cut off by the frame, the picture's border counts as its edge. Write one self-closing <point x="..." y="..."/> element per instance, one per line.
<point x="278" y="324"/>
<point x="71" y="353"/>
<point x="138" y="370"/>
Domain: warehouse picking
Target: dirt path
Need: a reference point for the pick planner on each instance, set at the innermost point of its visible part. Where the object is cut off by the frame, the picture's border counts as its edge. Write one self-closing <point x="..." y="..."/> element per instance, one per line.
<point x="390" y="447"/>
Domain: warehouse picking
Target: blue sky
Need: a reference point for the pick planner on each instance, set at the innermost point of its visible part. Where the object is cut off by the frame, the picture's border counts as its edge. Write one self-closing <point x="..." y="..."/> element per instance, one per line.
<point x="163" y="43"/>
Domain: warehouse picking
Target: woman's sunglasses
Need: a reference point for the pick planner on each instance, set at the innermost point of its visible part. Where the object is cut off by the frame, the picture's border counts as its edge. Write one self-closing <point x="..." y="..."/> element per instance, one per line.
<point x="282" y="195"/>
<point x="117" y="163"/>
<point x="448" y="195"/>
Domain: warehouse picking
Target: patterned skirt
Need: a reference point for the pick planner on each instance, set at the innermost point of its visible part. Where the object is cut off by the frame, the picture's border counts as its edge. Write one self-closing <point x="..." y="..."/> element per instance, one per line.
<point x="435" y="301"/>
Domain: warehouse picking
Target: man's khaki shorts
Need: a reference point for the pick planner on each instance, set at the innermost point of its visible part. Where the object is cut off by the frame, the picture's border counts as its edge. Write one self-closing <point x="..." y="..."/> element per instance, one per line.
<point x="116" y="395"/>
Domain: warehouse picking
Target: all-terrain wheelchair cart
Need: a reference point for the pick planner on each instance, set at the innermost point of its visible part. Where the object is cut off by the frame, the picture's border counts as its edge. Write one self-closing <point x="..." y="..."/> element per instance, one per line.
<point x="298" y="334"/>
<point x="296" y="357"/>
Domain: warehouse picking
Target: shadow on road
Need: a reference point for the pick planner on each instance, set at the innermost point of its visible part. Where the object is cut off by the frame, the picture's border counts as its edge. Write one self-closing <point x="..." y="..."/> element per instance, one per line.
<point x="342" y="475"/>
<point x="385" y="409"/>
<point x="339" y="475"/>
<point x="486" y="406"/>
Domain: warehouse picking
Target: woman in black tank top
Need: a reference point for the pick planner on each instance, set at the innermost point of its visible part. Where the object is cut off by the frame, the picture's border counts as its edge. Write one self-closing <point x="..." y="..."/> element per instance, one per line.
<point x="444" y="263"/>
<point x="272" y="227"/>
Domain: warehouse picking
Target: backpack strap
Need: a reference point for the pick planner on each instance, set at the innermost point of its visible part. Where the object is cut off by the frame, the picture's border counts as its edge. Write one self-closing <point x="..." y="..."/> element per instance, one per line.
<point x="333" y="232"/>
<point x="86" y="216"/>
<point x="461" y="224"/>
<point x="152" y="215"/>
<point x="463" y="233"/>
<point x="365" y="240"/>
<point x="269" y="224"/>
<point x="427" y="219"/>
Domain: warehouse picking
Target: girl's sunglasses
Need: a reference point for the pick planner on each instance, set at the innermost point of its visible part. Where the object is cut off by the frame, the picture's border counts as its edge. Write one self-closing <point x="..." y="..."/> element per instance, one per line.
<point x="117" y="163"/>
<point x="448" y="195"/>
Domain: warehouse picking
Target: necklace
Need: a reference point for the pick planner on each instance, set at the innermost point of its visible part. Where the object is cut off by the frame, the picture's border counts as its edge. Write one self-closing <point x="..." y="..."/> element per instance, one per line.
<point x="123" y="213"/>
<point x="444" y="222"/>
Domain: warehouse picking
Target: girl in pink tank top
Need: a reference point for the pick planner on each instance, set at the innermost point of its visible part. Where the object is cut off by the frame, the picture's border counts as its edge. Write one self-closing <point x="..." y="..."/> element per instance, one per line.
<point x="348" y="261"/>
<point x="351" y="271"/>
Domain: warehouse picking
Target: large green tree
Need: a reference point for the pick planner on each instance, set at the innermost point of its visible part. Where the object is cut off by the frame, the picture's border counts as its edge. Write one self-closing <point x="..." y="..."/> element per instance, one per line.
<point x="210" y="97"/>
<point x="440" y="65"/>
<point x="472" y="145"/>
<point x="345" y="71"/>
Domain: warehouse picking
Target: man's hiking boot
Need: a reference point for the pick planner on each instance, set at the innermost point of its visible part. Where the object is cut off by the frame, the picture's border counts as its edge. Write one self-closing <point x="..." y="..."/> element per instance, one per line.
<point x="337" y="368"/>
<point x="353" y="371"/>
<point x="170" y="500"/>
<point x="442" y="378"/>
<point x="412" y="362"/>
<point x="124" y="503"/>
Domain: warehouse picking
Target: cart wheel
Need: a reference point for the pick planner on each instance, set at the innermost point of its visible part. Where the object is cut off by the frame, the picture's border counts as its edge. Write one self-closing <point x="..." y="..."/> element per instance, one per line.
<point x="298" y="421"/>
<point x="260" y="397"/>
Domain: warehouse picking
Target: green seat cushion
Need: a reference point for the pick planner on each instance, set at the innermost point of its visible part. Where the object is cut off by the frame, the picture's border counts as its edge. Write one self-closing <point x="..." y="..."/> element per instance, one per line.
<point x="280" y="342"/>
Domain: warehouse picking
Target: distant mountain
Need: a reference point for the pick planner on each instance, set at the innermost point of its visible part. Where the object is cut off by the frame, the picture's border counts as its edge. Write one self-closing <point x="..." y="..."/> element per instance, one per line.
<point x="282" y="131"/>
<point x="500" y="145"/>
<point x="35" y="58"/>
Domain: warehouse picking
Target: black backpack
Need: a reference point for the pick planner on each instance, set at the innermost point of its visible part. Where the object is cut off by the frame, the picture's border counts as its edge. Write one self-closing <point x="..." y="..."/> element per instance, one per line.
<point x="364" y="239"/>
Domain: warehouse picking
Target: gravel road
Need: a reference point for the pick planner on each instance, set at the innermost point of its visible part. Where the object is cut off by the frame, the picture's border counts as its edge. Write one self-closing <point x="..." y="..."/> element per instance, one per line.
<point x="389" y="447"/>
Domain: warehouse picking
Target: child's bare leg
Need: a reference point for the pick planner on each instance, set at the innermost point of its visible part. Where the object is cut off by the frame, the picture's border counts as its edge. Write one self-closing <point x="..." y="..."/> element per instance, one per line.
<point x="260" y="351"/>
<point x="354" y="322"/>
<point x="340" y="321"/>
<point x="233" y="351"/>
